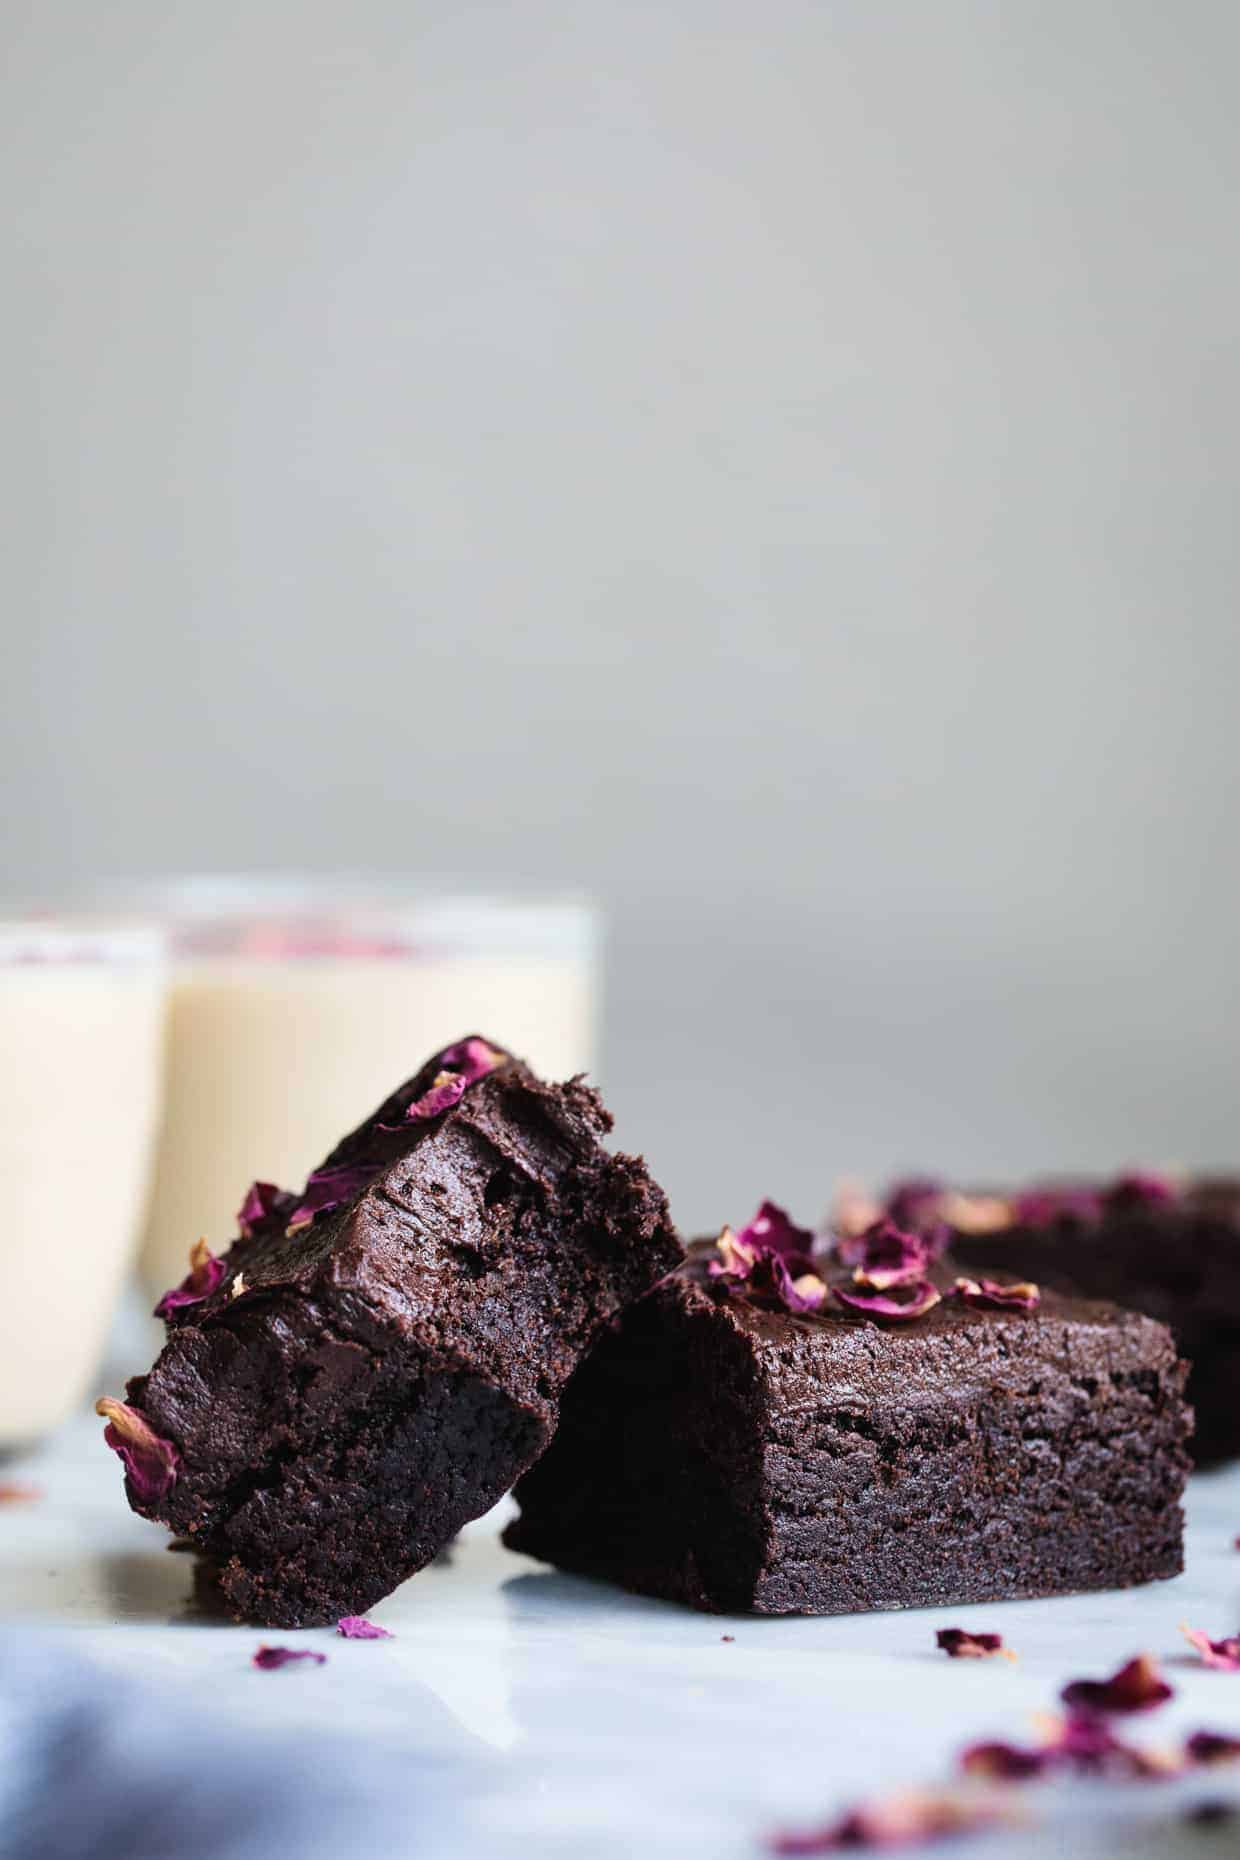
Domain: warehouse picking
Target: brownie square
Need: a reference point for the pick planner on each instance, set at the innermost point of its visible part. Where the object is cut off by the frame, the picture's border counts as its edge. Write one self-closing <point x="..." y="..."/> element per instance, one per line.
<point x="744" y="1459"/>
<point x="1172" y="1252"/>
<point x="383" y="1355"/>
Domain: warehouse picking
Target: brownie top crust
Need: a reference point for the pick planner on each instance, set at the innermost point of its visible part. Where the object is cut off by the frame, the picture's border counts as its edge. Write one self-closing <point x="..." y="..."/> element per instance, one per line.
<point x="443" y="1230"/>
<point x="954" y="1346"/>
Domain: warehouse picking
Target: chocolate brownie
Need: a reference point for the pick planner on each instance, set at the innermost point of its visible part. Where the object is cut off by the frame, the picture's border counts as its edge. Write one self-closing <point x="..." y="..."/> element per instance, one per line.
<point x="376" y="1360"/>
<point x="724" y="1450"/>
<point x="1171" y="1250"/>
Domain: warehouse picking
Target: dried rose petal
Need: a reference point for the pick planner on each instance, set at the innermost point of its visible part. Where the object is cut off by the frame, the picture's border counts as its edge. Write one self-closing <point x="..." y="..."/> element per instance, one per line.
<point x="205" y="1273"/>
<point x="263" y="1202"/>
<point x="14" y="1493"/>
<point x="902" y="1303"/>
<point x="327" y="1189"/>
<point x="1080" y="1742"/>
<point x="1223" y="1655"/>
<point x="151" y="1464"/>
<point x="912" y="1819"/>
<point x="1043" y="1205"/>
<point x="1208" y="1747"/>
<point x="1137" y="1686"/>
<point x="888" y="1255"/>
<point x="269" y="1659"/>
<point x="989" y="1295"/>
<point x="445" y="1090"/>
<point x="472" y="1058"/>
<point x="772" y="1231"/>
<point x="1005" y="1762"/>
<point x="915" y="1198"/>
<point x="1141" y="1188"/>
<point x="765" y="1262"/>
<point x="977" y="1214"/>
<point x="357" y="1627"/>
<point x="959" y="1644"/>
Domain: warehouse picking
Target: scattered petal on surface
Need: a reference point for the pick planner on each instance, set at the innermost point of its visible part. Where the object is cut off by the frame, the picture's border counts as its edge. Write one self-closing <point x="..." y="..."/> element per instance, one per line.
<point x="990" y="1295"/>
<point x="327" y="1189"/>
<point x="357" y="1627"/>
<point x="1004" y="1762"/>
<point x="901" y="1304"/>
<point x="472" y="1058"/>
<point x="959" y="1644"/>
<point x="151" y="1464"/>
<point x="887" y="1255"/>
<point x="1209" y="1747"/>
<point x="14" y="1493"/>
<point x="912" y="1819"/>
<point x="269" y="1659"/>
<point x="1223" y="1655"/>
<point x="1137" y="1686"/>
<point x="205" y="1273"/>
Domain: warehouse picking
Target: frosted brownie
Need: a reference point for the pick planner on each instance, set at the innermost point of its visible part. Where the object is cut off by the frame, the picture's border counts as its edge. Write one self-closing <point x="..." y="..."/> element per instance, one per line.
<point x="764" y="1435"/>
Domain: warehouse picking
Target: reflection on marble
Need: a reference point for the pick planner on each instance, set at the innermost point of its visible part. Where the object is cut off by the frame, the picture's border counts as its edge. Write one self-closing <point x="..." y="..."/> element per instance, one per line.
<point x="590" y="1722"/>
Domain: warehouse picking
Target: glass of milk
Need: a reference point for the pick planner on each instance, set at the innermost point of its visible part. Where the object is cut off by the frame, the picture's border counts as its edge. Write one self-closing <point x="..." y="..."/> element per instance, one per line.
<point x="297" y="1006"/>
<point x="81" y="1025"/>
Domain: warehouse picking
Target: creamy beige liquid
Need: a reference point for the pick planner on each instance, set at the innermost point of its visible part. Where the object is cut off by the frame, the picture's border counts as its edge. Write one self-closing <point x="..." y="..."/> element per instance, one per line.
<point x="271" y="1061"/>
<point x="79" y="1096"/>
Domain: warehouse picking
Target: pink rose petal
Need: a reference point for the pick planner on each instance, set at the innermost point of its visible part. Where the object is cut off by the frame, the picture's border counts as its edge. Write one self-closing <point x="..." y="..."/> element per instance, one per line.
<point x="263" y="1202"/>
<point x="900" y="1305"/>
<point x="1137" y="1686"/>
<point x="151" y="1464"/>
<point x="959" y="1644"/>
<point x="270" y="1659"/>
<point x="1223" y="1655"/>
<point x="205" y="1273"/>
<point x="990" y="1295"/>
<point x="914" y="1818"/>
<point x="887" y="1255"/>
<point x="357" y="1627"/>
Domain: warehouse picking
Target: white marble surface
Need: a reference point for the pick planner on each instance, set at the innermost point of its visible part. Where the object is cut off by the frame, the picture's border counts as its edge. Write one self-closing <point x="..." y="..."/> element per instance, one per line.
<point x="568" y="1719"/>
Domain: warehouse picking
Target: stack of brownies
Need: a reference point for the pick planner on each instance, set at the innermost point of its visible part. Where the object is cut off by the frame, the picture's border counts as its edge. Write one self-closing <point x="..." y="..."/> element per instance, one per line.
<point x="927" y="1405"/>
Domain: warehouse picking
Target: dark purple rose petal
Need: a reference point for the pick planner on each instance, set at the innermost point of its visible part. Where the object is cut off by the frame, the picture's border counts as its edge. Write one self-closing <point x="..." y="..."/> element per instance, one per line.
<point x="447" y="1089"/>
<point x="1208" y="1747"/>
<point x="263" y="1202"/>
<point x="1223" y="1655"/>
<point x="989" y="1295"/>
<point x="888" y="1255"/>
<point x="915" y="1818"/>
<point x="472" y="1058"/>
<point x="151" y="1464"/>
<point x="900" y="1305"/>
<point x="1137" y="1686"/>
<point x="270" y="1659"/>
<point x="772" y="1231"/>
<point x="357" y="1627"/>
<point x="959" y="1644"/>
<point x="915" y="1201"/>
<point x="205" y="1273"/>
<point x="1042" y="1206"/>
<point x="1004" y="1762"/>
<point x="328" y="1189"/>
<point x="1141" y="1188"/>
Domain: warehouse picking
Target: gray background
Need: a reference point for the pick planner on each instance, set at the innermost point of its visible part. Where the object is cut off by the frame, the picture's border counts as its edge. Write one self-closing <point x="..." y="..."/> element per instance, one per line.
<point x="773" y="464"/>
